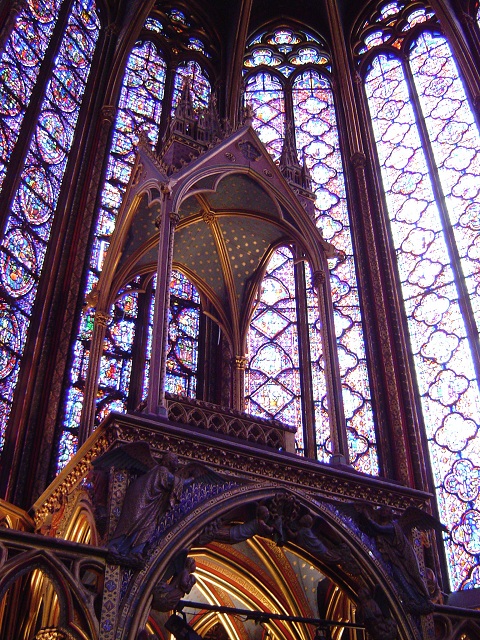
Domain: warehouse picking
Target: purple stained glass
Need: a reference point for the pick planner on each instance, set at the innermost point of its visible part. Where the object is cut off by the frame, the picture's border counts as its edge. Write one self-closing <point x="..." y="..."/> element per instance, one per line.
<point x="455" y="141"/>
<point x="318" y="145"/>
<point x="29" y="221"/>
<point x="199" y="85"/>
<point x="273" y="373"/>
<point x="19" y="67"/>
<point x="264" y="94"/>
<point x="443" y="361"/>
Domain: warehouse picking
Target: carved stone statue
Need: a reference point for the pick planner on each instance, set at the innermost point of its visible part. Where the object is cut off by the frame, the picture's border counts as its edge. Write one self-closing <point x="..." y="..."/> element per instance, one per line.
<point x="166" y="595"/>
<point x="304" y="535"/>
<point x="390" y="533"/>
<point x="157" y="488"/>
<point x="375" y="615"/>
<point x="221" y="531"/>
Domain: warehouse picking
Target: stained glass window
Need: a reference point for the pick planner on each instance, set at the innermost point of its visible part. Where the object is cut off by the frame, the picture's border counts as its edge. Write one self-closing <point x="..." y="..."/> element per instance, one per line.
<point x="429" y="152"/>
<point x="32" y="207"/>
<point x="19" y="67"/>
<point x="264" y="93"/>
<point x="199" y="85"/>
<point x="273" y="373"/>
<point x="116" y="361"/>
<point x="303" y="73"/>
<point x="140" y="105"/>
<point x="183" y="330"/>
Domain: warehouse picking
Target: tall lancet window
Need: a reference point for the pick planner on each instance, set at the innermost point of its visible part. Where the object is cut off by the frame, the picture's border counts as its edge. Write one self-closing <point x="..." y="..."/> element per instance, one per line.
<point x="273" y="374"/>
<point x="428" y="147"/>
<point x="288" y="79"/>
<point x="141" y="103"/>
<point x="39" y="114"/>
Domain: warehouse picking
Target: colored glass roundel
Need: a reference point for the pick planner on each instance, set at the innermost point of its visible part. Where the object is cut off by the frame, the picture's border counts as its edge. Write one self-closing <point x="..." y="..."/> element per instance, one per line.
<point x="18" y="263"/>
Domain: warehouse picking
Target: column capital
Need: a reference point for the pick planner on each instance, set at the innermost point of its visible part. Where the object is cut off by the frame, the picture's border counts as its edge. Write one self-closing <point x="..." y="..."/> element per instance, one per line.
<point x="241" y="362"/>
<point x="108" y="112"/>
<point x="102" y="318"/>
<point x="358" y="160"/>
<point x="318" y="279"/>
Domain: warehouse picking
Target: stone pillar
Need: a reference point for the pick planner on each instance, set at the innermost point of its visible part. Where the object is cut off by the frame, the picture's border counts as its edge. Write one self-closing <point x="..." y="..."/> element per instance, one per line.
<point x="239" y="367"/>
<point x="91" y="383"/>
<point x="338" y="431"/>
<point x="166" y="222"/>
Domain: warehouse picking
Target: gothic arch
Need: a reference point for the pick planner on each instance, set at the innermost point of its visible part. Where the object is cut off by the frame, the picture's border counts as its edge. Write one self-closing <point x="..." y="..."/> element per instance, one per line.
<point x="75" y="614"/>
<point x="182" y="538"/>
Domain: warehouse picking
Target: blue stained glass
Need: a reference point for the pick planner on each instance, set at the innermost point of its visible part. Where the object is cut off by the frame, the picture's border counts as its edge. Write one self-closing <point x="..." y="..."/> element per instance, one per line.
<point x="29" y="222"/>
<point x="183" y="329"/>
<point x="140" y="104"/>
<point x="19" y="67"/>
<point x="199" y="85"/>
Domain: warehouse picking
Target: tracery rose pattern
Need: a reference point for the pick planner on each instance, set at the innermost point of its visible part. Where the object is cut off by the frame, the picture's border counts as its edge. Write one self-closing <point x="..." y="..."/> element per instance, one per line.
<point x="464" y="480"/>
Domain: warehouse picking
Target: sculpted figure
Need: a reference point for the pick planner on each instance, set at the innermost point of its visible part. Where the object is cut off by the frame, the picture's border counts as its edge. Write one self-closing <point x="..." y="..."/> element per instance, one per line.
<point x="434" y="591"/>
<point x="305" y="537"/>
<point x="390" y="533"/>
<point x="166" y="595"/>
<point x="238" y="532"/>
<point x="375" y="615"/>
<point x="157" y="488"/>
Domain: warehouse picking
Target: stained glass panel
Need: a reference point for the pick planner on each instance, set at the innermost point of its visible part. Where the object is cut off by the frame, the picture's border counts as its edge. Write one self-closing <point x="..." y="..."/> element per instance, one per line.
<point x="140" y="104"/>
<point x="455" y="142"/>
<point x="443" y="360"/>
<point x="273" y="373"/>
<point x="317" y="142"/>
<point x="183" y="329"/>
<point x="264" y="94"/>
<point x="199" y="85"/>
<point x="116" y="360"/>
<point x="19" y="67"/>
<point x="30" y="218"/>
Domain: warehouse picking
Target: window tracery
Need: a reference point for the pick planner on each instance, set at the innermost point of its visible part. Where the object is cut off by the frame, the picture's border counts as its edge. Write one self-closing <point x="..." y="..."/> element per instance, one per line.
<point x="288" y="79"/>
<point x="32" y="207"/>
<point x="428" y="147"/>
<point x="273" y="373"/>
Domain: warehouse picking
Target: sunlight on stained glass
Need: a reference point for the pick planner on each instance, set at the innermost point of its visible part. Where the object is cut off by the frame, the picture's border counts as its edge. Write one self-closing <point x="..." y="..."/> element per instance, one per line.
<point x="445" y="373"/>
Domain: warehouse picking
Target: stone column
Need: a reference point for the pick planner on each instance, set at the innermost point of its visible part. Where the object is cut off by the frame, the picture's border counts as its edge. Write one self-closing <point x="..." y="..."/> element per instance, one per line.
<point x="338" y="431"/>
<point x="239" y="367"/>
<point x="91" y="383"/>
<point x="166" y="222"/>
